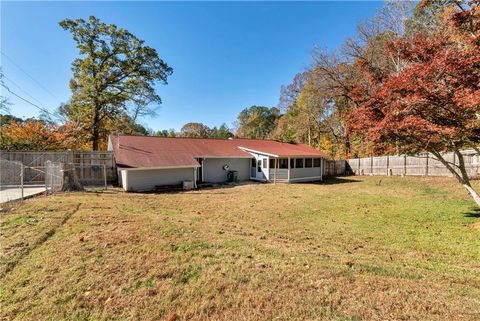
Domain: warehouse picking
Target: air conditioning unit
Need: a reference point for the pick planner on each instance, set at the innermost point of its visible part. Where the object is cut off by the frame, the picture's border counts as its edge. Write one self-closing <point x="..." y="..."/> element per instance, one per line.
<point x="187" y="185"/>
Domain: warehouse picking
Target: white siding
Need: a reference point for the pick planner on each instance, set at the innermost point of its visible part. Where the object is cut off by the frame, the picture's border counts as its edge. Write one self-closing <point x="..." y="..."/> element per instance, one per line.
<point x="278" y="174"/>
<point x="147" y="179"/>
<point x="305" y="173"/>
<point x="213" y="171"/>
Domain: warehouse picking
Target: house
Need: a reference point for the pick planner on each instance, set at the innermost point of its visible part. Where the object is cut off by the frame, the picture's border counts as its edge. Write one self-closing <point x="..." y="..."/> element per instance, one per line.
<point x="146" y="162"/>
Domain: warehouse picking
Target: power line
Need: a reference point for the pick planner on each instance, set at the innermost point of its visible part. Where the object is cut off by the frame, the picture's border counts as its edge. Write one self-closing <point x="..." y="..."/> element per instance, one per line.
<point x="26" y="100"/>
<point x="21" y="89"/>
<point x="31" y="77"/>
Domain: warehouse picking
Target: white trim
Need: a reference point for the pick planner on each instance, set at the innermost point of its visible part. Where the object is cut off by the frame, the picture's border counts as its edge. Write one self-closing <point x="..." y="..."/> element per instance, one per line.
<point x="159" y="167"/>
<point x="195" y="177"/>
<point x="288" y="175"/>
<point x="306" y="178"/>
<point x="256" y="151"/>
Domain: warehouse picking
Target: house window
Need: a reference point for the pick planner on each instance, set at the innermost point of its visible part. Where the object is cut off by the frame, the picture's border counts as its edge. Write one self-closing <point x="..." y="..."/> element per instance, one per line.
<point x="298" y="162"/>
<point x="264" y="163"/>
<point x="283" y="163"/>
<point x="259" y="166"/>
<point x="308" y="162"/>
<point x="292" y="162"/>
<point x="316" y="162"/>
<point x="254" y="163"/>
<point x="272" y="163"/>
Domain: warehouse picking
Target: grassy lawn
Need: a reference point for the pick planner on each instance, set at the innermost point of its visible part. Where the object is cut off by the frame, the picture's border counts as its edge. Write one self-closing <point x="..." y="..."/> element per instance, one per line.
<point x="349" y="249"/>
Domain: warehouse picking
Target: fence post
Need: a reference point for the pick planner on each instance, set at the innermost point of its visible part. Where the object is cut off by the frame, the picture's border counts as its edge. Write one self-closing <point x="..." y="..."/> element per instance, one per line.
<point x="404" y="165"/>
<point x="359" y="166"/>
<point x="105" y="175"/>
<point x="388" y="165"/>
<point x="371" y="165"/>
<point x="22" y="171"/>
<point x="426" y="166"/>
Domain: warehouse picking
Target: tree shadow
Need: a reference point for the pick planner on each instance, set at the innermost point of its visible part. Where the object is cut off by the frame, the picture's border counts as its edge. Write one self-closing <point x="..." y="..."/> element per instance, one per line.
<point x="474" y="212"/>
<point x="338" y="180"/>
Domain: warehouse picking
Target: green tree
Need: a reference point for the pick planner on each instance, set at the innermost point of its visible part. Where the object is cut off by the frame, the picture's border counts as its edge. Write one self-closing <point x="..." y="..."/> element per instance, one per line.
<point x="257" y="122"/>
<point x="114" y="69"/>
<point x="220" y="132"/>
<point x="7" y="118"/>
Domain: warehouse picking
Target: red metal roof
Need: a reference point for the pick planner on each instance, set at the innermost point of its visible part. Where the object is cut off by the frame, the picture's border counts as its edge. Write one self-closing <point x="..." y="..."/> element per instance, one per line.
<point x="146" y="151"/>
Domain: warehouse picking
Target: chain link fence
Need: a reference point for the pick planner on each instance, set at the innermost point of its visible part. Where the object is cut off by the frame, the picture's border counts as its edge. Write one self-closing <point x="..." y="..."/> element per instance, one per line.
<point x="53" y="177"/>
<point x="15" y="184"/>
<point x="18" y="181"/>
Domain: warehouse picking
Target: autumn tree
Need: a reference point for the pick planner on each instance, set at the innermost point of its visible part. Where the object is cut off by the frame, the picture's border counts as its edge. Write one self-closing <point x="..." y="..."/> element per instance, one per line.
<point x="194" y="130"/>
<point x="257" y="122"/>
<point x="432" y="104"/>
<point x="115" y="70"/>
<point x="290" y="92"/>
<point x="35" y="134"/>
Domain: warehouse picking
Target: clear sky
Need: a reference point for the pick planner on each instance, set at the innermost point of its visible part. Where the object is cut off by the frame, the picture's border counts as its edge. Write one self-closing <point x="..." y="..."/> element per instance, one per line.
<point x="225" y="55"/>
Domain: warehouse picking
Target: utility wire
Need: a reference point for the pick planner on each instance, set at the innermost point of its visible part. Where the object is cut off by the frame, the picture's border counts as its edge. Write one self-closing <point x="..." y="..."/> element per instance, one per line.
<point x="21" y="89"/>
<point x="31" y="77"/>
<point x="26" y="100"/>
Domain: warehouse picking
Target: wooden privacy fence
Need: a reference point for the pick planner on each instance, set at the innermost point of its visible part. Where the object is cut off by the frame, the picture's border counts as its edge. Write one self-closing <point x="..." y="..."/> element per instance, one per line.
<point x="334" y="167"/>
<point x="92" y="166"/>
<point x="421" y="165"/>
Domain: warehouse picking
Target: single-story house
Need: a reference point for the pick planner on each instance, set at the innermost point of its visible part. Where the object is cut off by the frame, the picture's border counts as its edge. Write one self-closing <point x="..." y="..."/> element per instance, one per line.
<point x="144" y="163"/>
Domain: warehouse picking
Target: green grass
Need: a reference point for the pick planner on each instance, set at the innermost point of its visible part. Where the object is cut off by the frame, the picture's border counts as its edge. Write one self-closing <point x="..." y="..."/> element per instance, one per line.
<point x="348" y="249"/>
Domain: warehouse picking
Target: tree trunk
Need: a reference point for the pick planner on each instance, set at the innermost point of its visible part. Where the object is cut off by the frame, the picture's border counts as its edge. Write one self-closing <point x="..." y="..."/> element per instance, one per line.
<point x="95" y="129"/>
<point x="463" y="176"/>
<point x="70" y="179"/>
<point x="466" y="179"/>
<point x="473" y="194"/>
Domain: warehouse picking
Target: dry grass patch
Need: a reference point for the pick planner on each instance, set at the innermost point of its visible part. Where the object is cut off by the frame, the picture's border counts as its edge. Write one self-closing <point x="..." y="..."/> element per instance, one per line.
<point x="345" y="250"/>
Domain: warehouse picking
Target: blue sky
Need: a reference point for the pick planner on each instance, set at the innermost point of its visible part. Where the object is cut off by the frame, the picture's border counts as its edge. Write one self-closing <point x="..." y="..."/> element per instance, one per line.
<point x="226" y="55"/>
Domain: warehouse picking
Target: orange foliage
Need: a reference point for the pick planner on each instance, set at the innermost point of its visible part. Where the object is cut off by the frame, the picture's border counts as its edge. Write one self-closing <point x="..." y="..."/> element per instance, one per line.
<point x="37" y="135"/>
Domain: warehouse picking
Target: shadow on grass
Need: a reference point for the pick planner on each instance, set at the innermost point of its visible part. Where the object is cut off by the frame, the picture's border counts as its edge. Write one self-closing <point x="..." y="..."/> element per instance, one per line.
<point x="338" y="180"/>
<point x="474" y="212"/>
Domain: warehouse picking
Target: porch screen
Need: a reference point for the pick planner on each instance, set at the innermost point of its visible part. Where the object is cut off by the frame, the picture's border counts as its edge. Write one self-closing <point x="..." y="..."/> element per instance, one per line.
<point x="283" y="163"/>
<point x="308" y="162"/>
<point x="299" y="162"/>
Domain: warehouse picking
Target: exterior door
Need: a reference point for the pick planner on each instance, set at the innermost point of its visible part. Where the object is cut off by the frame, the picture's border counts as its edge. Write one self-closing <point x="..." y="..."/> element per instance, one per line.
<point x="262" y="168"/>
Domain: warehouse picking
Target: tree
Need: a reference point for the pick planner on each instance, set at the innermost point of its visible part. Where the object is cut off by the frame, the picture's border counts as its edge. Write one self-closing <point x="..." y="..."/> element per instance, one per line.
<point x="222" y="132"/>
<point x="37" y="135"/>
<point x="257" y="122"/>
<point x="7" y="118"/>
<point x="114" y="69"/>
<point x="289" y="93"/>
<point x="194" y="130"/>
<point x="4" y="102"/>
<point x="433" y="103"/>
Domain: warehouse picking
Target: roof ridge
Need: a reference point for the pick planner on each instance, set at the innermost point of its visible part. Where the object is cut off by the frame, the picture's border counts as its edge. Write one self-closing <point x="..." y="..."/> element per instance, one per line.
<point x="210" y="138"/>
